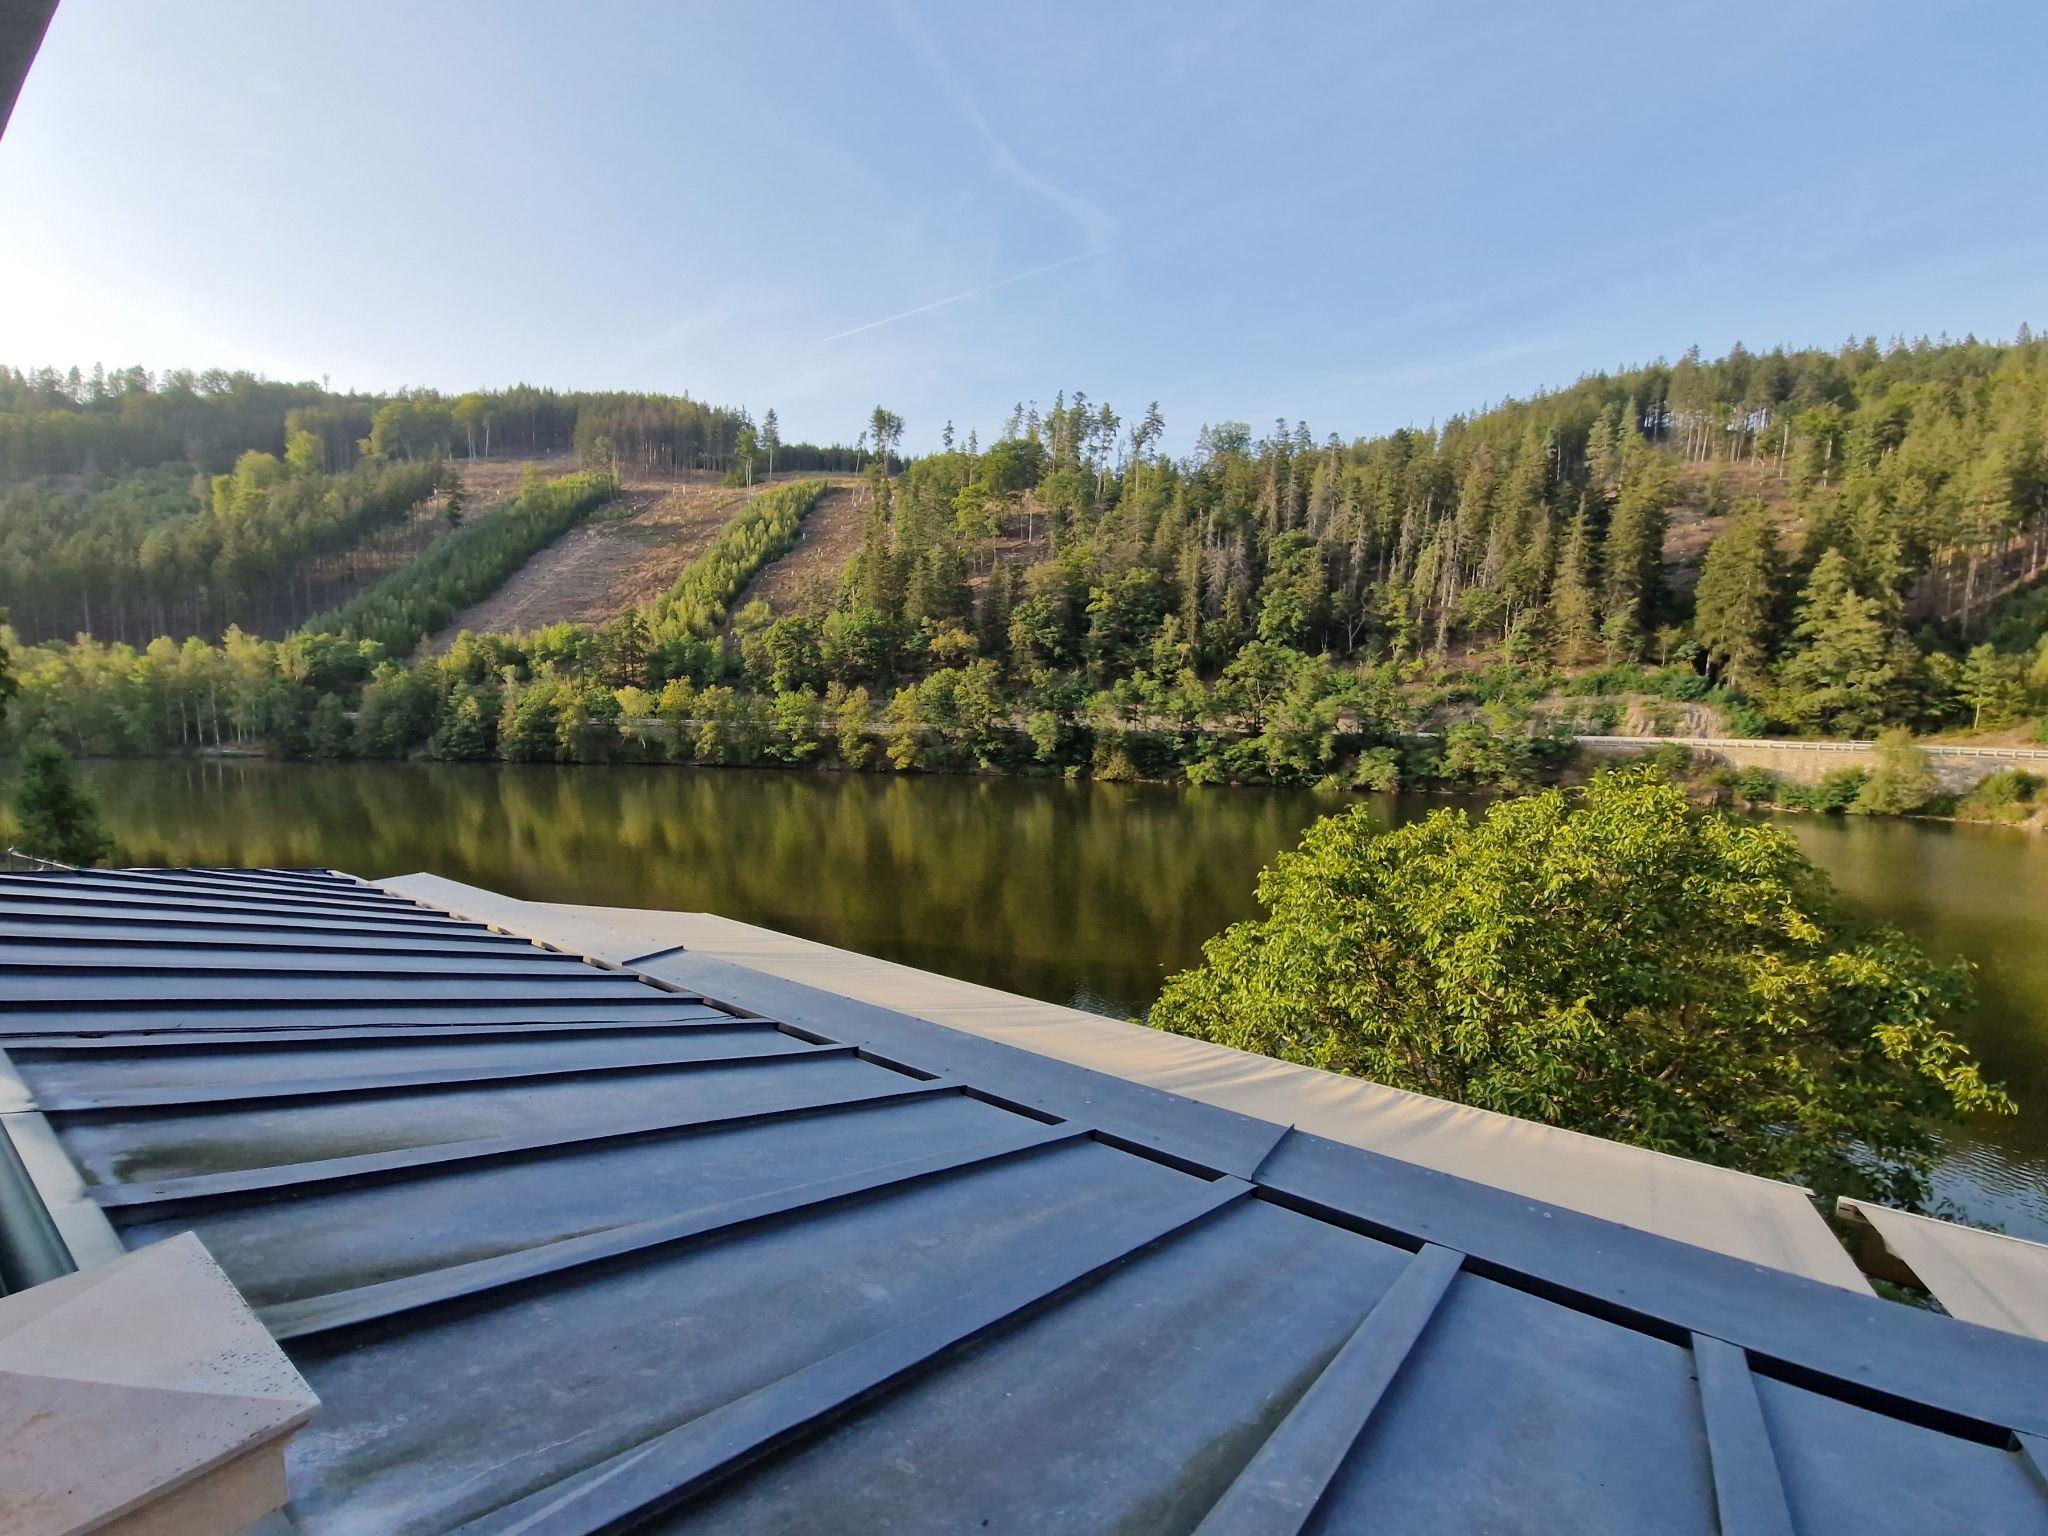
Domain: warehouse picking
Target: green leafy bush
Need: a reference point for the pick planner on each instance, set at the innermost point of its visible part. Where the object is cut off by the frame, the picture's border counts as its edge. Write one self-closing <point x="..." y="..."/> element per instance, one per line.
<point x="1563" y="957"/>
<point x="1758" y="786"/>
<point x="1834" y="794"/>
<point x="2008" y="795"/>
<point x="1902" y="782"/>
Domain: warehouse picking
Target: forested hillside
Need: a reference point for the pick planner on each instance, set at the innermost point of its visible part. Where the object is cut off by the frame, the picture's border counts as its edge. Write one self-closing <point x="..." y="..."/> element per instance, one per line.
<point x="133" y="506"/>
<point x="1797" y="542"/>
<point x="168" y="551"/>
<point x="102" y="423"/>
<point x="1860" y="513"/>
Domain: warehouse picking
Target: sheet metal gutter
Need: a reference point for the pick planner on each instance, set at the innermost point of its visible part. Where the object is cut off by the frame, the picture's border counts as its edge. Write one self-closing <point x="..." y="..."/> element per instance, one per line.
<point x="31" y="1249"/>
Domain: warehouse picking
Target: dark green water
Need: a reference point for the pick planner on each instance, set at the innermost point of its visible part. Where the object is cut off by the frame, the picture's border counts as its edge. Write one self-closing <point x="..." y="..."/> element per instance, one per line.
<point x="1077" y="893"/>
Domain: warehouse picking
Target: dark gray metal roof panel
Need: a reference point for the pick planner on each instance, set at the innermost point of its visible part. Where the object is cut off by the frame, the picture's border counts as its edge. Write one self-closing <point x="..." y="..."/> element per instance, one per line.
<point x="198" y="959"/>
<point x="246" y="1078"/>
<point x="210" y="883"/>
<point x="1673" y="1287"/>
<point x="22" y="23"/>
<point x="90" y="988"/>
<point x="102" y="897"/>
<point x="1206" y="1341"/>
<point x="117" y="1146"/>
<point x="592" y="1255"/>
<point x="208" y="1014"/>
<point x="336" y="1239"/>
<point x="28" y="919"/>
<point x="113" y="937"/>
<point x="1163" y="1122"/>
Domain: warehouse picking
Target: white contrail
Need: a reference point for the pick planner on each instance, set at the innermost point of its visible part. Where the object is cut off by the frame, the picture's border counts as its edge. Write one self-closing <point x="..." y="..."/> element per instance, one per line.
<point x="1096" y="226"/>
<point x="971" y="293"/>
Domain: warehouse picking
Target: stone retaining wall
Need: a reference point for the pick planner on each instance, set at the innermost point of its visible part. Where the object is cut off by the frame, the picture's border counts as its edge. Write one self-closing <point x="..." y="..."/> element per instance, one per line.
<point x="1960" y="769"/>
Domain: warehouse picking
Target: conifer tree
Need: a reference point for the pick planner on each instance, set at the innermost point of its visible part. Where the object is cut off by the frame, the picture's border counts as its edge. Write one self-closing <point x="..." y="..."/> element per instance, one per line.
<point x="56" y="818"/>
<point x="1574" y="617"/>
<point x="1735" y="607"/>
<point x="1844" y="674"/>
<point x="1632" y="568"/>
<point x="1993" y="686"/>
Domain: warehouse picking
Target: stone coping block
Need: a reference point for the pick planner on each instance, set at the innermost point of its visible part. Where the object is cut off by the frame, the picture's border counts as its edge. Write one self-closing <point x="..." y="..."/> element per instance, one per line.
<point x="1981" y="1277"/>
<point x="142" y="1397"/>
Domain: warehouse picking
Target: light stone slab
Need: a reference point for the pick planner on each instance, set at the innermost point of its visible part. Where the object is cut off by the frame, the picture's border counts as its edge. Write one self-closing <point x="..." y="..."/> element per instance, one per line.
<point x="142" y="1397"/>
<point x="1981" y="1277"/>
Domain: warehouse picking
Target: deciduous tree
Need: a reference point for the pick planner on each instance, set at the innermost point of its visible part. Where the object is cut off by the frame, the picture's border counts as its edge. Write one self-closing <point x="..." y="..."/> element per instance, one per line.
<point x="1614" y="961"/>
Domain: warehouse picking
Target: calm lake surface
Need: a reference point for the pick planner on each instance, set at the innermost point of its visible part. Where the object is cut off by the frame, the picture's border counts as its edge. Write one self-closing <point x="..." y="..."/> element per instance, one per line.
<point x="1078" y="893"/>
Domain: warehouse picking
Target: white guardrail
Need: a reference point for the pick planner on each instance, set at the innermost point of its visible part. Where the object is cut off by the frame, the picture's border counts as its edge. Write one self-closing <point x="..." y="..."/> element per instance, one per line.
<point x="1766" y="743"/>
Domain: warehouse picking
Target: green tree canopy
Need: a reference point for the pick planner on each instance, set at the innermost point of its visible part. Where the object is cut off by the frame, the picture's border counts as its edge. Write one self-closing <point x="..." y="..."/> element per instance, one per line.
<point x="1610" y="960"/>
<point x="55" y="819"/>
<point x="8" y="686"/>
<point x="1846" y="673"/>
<point x="1736" y="603"/>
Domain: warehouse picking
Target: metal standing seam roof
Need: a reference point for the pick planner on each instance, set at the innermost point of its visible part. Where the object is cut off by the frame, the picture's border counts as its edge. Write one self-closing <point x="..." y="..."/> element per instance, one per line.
<point x="1764" y="1220"/>
<point x="565" y="1249"/>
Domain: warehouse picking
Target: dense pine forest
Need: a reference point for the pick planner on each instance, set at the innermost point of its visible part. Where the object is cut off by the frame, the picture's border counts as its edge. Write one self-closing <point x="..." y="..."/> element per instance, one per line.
<point x="1795" y="542"/>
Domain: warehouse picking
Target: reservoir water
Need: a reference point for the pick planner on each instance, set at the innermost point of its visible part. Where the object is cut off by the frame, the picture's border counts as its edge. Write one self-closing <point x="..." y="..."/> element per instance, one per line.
<point x="1078" y="893"/>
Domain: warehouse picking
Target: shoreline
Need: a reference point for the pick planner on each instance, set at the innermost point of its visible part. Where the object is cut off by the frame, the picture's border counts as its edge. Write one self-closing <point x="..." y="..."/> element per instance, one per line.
<point x="1712" y="787"/>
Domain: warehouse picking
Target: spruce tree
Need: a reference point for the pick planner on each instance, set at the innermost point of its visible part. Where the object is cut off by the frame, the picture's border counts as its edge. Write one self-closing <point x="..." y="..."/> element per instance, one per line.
<point x="55" y="818"/>
<point x="1844" y="674"/>
<point x="1735" y="607"/>
<point x="1574" y="618"/>
<point x="1632" y="570"/>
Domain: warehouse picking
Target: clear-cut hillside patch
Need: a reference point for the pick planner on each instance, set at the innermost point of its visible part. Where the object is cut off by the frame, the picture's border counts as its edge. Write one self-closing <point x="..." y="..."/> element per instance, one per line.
<point x="830" y="537"/>
<point x="616" y="561"/>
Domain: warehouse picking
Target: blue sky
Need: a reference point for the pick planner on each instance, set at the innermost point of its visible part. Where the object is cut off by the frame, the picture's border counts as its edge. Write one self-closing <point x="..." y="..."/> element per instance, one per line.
<point x="1362" y="215"/>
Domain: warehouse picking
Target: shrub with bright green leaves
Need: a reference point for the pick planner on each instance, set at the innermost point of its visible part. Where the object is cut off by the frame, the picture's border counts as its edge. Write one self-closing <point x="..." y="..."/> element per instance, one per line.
<point x="1903" y="780"/>
<point x="1834" y="794"/>
<point x="2007" y="795"/>
<point x="1758" y="786"/>
<point x="1739" y="717"/>
<point x="1611" y="960"/>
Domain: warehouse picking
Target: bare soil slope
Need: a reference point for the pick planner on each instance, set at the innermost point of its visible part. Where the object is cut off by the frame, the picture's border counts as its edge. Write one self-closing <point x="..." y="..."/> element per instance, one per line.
<point x="1694" y="526"/>
<point x="621" y="558"/>
<point x="830" y="537"/>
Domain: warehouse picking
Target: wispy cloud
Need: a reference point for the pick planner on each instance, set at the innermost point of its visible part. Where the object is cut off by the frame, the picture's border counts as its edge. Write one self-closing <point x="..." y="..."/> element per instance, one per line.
<point x="1094" y="223"/>
<point x="955" y="298"/>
